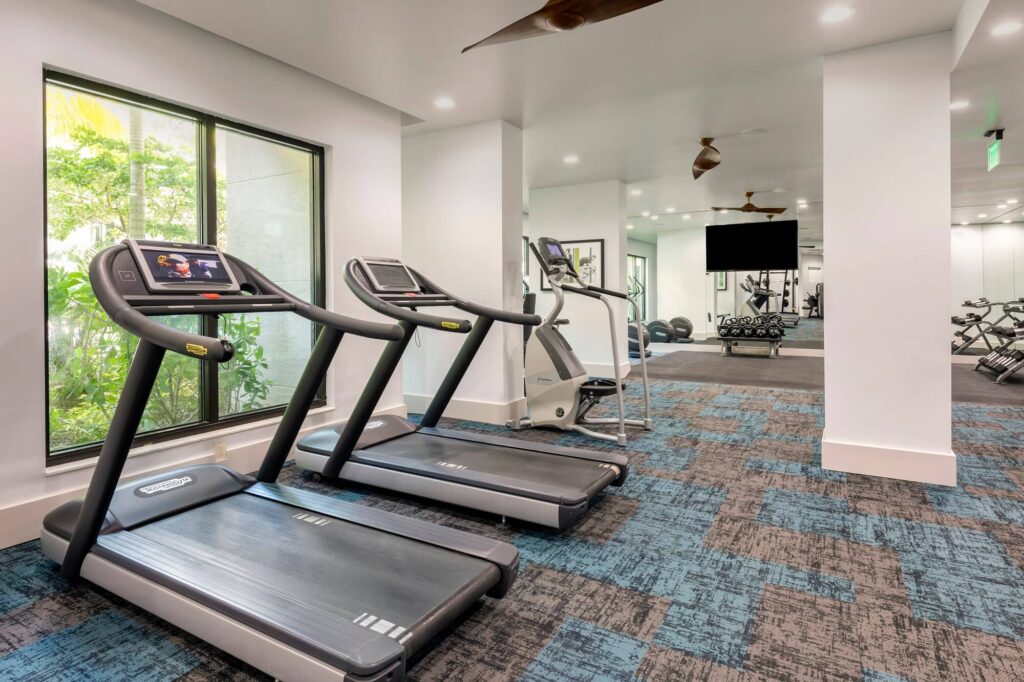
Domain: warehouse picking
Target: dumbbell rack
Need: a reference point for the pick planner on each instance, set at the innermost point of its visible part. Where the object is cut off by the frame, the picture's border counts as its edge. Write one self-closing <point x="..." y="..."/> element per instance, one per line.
<point x="763" y="329"/>
<point x="971" y="321"/>
<point x="1003" y="361"/>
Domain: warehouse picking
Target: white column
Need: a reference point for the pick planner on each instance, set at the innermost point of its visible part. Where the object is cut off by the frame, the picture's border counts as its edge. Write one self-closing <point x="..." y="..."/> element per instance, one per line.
<point x="588" y="212"/>
<point x="462" y="226"/>
<point x="887" y="216"/>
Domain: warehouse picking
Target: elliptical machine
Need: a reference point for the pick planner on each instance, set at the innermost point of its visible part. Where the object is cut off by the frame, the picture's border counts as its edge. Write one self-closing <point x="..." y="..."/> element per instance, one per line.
<point x="559" y="393"/>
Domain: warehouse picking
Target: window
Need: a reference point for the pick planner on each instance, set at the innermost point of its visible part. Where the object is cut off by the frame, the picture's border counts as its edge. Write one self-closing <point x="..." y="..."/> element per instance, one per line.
<point x="636" y="280"/>
<point x="122" y="165"/>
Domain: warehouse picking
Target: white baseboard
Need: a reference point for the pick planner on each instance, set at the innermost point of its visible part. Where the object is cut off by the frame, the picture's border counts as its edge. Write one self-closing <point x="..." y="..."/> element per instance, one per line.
<point x="473" y="410"/>
<point x="22" y="521"/>
<point x="938" y="468"/>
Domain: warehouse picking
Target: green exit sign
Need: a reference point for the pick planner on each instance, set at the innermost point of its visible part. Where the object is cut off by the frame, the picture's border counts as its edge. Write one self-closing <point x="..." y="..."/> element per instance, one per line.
<point x="995" y="154"/>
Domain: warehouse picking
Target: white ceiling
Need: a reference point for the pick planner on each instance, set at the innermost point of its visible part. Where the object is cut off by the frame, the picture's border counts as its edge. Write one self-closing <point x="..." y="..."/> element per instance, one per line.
<point x="989" y="76"/>
<point x="629" y="96"/>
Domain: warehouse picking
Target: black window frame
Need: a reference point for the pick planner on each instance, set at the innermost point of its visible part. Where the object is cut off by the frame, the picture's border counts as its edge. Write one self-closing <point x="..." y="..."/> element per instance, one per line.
<point x="206" y="198"/>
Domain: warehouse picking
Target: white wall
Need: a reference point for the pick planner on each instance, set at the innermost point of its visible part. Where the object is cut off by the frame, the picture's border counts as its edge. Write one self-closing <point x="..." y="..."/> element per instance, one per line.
<point x="987" y="260"/>
<point x="888" y="413"/>
<point x="127" y="44"/>
<point x="589" y="211"/>
<point x="462" y="227"/>
<point x="683" y="288"/>
<point x="650" y="252"/>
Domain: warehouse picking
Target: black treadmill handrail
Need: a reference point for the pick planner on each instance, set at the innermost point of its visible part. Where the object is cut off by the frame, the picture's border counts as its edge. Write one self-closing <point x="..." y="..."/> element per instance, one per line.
<point x="131" y="312"/>
<point x="496" y="314"/>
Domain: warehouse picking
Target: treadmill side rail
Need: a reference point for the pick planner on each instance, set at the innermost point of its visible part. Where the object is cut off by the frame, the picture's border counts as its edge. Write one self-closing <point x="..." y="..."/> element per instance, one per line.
<point x="616" y="459"/>
<point x="504" y="556"/>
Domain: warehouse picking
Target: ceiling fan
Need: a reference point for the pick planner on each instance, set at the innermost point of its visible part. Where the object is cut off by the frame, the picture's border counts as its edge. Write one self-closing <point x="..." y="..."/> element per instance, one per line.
<point x="749" y="207"/>
<point x="562" y="15"/>
<point x="708" y="159"/>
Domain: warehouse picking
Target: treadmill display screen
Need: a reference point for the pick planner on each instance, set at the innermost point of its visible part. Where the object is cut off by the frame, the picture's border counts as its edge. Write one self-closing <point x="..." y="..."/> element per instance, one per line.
<point x="393" y="277"/>
<point x="186" y="267"/>
<point x="556" y="250"/>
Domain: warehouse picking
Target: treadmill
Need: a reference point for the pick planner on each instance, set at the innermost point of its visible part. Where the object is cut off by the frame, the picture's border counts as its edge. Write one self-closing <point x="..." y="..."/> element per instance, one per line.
<point x="544" y="484"/>
<point x="299" y="585"/>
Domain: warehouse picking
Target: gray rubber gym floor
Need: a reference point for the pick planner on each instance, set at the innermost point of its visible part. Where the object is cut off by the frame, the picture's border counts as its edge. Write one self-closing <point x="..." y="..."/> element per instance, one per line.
<point x="807" y="373"/>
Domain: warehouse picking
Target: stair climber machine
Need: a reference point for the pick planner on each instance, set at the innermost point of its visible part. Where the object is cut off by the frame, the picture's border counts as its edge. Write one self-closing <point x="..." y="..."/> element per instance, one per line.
<point x="544" y="484"/>
<point x="299" y="585"/>
<point x="559" y="393"/>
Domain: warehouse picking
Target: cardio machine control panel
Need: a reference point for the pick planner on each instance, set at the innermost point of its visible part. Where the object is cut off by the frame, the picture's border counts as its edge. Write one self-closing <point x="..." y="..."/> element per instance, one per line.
<point x="392" y="280"/>
<point x="168" y="267"/>
<point x="552" y="256"/>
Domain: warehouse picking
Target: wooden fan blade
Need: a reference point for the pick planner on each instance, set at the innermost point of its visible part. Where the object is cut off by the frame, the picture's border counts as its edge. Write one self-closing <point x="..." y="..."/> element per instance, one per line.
<point x="772" y="211"/>
<point x="708" y="159"/>
<point x="726" y="208"/>
<point x="562" y="15"/>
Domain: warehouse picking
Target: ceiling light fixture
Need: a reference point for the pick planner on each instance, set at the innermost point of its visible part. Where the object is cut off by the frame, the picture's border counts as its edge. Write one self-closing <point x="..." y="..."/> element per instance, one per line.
<point x="834" y="15"/>
<point x="959" y="104"/>
<point x="983" y="215"/>
<point x="629" y="227"/>
<point x="636" y="192"/>
<point x="1006" y="28"/>
<point x="965" y="223"/>
<point x="670" y="209"/>
<point x="723" y="211"/>
<point x="646" y="214"/>
<point x="1011" y="201"/>
<point x="1007" y="222"/>
<point x="686" y="216"/>
<point x="654" y="217"/>
<point x="570" y="159"/>
<point x="1001" y="206"/>
<point x="444" y="102"/>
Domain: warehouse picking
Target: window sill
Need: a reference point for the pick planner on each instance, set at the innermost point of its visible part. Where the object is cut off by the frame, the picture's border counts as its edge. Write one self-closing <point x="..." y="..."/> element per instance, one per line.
<point x="164" y="446"/>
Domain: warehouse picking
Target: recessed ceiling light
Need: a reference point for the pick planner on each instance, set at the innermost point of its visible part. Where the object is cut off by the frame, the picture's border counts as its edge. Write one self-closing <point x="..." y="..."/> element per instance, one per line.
<point x="444" y="102"/>
<point x="636" y="192"/>
<point x="570" y="159"/>
<point x="629" y="227"/>
<point x="983" y="215"/>
<point x="801" y="201"/>
<point x="723" y="211"/>
<point x="965" y="223"/>
<point x="834" y="15"/>
<point x="1007" y="222"/>
<point x="1006" y="28"/>
<point x="670" y="209"/>
<point x="1000" y="206"/>
<point x="959" y="104"/>
<point x="686" y="216"/>
<point x="1011" y="201"/>
<point x="646" y="214"/>
<point x="654" y="217"/>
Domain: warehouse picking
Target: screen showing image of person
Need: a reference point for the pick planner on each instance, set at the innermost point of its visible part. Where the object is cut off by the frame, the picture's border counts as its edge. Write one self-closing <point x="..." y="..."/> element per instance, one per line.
<point x="172" y="266"/>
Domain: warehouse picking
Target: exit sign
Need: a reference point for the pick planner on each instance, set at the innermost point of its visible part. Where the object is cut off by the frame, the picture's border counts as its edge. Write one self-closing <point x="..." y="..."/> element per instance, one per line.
<point x="995" y="154"/>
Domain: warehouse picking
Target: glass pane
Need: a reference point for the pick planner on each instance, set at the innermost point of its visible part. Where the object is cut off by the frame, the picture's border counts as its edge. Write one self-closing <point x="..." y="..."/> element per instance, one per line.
<point x="265" y="217"/>
<point x="112" y="171"/>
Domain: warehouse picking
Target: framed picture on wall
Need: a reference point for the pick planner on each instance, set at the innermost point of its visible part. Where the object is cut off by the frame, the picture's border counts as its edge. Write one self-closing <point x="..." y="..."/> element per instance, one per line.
<point x="587" y="256"/>
<point x="721" y="281"/>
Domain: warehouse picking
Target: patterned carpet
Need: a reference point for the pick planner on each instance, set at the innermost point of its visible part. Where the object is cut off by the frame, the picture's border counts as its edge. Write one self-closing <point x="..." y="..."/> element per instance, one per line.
<point x="809" y="329"/>
<point x="728" y="555"/>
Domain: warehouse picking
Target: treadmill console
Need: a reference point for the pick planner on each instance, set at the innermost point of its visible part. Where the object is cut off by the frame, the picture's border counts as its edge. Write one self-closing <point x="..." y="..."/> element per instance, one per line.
<point x="389" y="276"/>
<point x="168" y="267"/>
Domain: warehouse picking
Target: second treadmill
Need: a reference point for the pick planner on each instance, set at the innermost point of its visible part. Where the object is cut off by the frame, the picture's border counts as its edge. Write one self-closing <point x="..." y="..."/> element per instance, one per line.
<point x="545" y="484"/>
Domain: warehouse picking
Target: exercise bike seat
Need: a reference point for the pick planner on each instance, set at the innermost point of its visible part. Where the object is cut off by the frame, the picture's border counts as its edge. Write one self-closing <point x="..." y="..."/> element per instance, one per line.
<point x="599" y="388"/>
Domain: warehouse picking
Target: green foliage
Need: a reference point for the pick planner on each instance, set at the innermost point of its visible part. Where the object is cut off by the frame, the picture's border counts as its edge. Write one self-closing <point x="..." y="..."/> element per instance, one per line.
<point x="88" y="189"/>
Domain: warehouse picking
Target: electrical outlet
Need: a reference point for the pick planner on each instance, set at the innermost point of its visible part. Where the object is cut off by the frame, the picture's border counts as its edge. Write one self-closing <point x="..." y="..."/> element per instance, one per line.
<point x="220" y="452"/>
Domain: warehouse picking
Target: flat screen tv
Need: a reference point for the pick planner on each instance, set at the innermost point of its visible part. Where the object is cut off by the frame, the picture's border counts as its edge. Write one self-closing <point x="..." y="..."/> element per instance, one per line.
<point x="752" y="246"/>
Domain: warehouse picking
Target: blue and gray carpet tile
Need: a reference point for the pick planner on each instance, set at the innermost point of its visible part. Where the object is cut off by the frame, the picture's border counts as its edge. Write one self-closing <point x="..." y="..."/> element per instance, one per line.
<point x="728" y="555"/>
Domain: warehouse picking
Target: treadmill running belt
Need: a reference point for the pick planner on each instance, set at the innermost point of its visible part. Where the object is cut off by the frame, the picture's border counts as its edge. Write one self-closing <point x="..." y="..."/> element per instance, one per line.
<point x="356" y="593"/>
<point x="518" y="471"/>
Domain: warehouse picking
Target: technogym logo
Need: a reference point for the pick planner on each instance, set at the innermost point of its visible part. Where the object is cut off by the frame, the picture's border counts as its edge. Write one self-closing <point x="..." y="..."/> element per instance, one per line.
<point x="376" y="424"/>
<point x="164" y="486"/>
